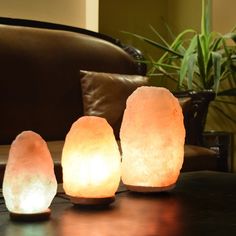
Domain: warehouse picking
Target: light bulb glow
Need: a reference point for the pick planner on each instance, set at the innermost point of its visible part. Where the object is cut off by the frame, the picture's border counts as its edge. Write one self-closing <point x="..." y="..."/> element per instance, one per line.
<point x="29" y="184"/>
<point x="91" y="159"/>
<point x="152" y="138"/>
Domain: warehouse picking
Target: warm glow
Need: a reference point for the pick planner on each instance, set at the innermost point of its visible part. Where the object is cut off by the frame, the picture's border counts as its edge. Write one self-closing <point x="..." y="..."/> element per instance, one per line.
<point x="29" y="183"/>
<point x="90" y="159"/>
<point x="152" y="139"/>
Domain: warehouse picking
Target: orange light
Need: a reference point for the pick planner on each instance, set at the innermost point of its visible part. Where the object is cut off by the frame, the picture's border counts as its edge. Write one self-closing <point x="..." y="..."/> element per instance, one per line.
<point x="152" y="140"/>
<point x="29" y="184"/>
<point x="90" y="161"/>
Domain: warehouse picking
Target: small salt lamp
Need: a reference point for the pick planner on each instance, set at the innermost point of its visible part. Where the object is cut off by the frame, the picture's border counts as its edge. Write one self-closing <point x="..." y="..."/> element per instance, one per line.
<point x="29" y="183"/>
<point x="91" y="162"/>
<point x="152" y="140"/>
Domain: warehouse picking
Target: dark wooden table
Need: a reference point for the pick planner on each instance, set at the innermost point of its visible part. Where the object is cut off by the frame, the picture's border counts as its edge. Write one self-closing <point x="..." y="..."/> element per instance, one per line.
<point x="203" y="203"/>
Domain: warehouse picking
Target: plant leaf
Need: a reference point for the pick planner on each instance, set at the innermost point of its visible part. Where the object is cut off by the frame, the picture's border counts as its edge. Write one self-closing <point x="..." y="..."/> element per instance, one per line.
<point x="201" y="63"/>
<point x="227" y="92"/>
<point x="230" y="35"/>
<point x="159" y="36"/>
<point x="178" y="40"/>
<point x="160" y="64"/>
<point x="170" y="32"/>
<point x="205" y="21"/>
<point x="166" y="65"/>
<point x="191" y="70"/>
<point x="217" y="44"/>
<point x="177" y="44"/>
<point x="185" y="61"/>
<point x="216" y="61"/>
<point x="153" y="43"/>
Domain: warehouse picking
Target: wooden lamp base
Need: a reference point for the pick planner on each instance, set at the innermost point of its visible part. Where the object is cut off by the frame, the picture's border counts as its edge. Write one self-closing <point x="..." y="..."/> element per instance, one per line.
<point x="31" y="217"/>
<point x="148" y="189"/>
<point x="92" y="201"/>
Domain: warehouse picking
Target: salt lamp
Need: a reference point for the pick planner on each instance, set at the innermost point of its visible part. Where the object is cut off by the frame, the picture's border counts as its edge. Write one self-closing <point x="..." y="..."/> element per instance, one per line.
<point x="152" y="140"/>
<point x="29" y="183"/>
<point x="91" y="162"/>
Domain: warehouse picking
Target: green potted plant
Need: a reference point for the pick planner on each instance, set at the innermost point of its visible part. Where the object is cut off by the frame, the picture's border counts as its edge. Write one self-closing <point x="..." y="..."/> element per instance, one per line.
<point x="198" y="62"/>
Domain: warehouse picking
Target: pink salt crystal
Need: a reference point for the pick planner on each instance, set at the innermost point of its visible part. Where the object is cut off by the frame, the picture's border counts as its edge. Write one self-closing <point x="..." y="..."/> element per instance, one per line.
<point x="29" y="183"/>
<point x="90" y="159"/>
<point x="152" y="139"/>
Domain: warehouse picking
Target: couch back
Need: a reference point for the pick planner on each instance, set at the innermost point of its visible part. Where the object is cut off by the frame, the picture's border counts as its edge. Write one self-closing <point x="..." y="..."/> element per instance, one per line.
<point x="39" y="77"/>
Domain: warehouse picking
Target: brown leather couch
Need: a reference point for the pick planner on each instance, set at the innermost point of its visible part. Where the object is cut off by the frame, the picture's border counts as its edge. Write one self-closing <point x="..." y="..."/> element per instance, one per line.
<point x="46" y="83"/>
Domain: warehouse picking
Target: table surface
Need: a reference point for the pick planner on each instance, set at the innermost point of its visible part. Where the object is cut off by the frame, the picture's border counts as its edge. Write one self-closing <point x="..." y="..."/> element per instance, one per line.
<point x="202" y="203"/>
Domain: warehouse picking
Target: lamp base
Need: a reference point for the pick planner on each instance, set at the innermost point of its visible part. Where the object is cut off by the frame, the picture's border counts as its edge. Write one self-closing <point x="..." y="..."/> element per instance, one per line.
<point x="92" y="201"/>
<point x="31" y="217"/>
<point x="148" y="189"/>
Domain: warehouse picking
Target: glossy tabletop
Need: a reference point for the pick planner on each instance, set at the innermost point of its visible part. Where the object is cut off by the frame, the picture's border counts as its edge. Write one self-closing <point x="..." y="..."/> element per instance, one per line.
<point x="202" y="203"/>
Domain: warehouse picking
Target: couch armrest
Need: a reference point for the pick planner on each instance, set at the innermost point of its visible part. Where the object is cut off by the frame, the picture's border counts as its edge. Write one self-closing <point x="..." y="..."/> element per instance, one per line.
<point x="199" y="158"/>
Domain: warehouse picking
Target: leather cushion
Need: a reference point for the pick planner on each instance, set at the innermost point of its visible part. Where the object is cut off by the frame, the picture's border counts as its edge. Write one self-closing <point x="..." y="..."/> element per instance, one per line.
<point x="105" y="95"/>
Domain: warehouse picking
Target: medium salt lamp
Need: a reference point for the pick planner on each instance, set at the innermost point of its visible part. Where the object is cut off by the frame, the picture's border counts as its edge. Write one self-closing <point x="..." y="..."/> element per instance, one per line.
<point x="91" y="162"/>
<point x="152" y="140"/>
<point x="29" y="183"/>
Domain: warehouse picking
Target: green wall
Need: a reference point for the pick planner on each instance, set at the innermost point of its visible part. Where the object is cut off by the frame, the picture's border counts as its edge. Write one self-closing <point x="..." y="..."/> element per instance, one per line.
<point x="133" y="16"/>
<point x="70" y="12"/>
<point x="183" y="14"/>
<point x="136" y="16"/>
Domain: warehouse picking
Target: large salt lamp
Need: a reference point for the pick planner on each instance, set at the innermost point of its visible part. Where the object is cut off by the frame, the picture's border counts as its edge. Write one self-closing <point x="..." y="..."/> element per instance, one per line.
<point x="152" y="140"/>
<point x="91" y="162"/>
<point x="29" y="183"/>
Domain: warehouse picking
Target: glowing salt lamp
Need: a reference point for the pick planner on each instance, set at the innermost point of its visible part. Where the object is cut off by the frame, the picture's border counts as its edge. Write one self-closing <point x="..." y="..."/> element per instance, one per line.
<point x="91" y="162"/>
<point x="152" y="140"/>
<point x="29" y="183"/>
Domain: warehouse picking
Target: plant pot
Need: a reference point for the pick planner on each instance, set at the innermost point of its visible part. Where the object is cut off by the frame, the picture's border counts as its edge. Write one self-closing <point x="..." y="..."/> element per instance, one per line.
<point x="195" y="114"/>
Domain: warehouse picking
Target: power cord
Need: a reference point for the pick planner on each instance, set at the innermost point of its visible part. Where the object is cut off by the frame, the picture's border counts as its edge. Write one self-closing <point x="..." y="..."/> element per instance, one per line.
<point x="2" y="204"/>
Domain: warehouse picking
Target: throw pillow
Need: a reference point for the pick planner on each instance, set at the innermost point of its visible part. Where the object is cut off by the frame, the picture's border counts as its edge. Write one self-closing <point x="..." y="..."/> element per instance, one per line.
<point x="105" y="95"/>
